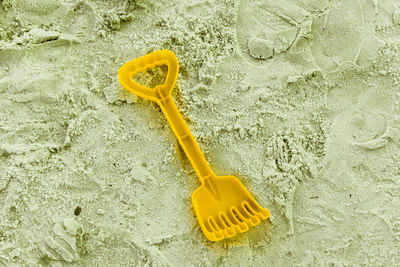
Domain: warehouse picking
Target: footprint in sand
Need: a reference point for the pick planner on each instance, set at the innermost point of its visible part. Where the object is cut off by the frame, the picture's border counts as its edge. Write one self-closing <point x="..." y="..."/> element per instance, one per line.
<point x="391" y="133"/>
<point x="362" y="117"/>
<point x="36" y="97"/>
<point x="57" y="235"/>
<point x="340" y="35"/>
<point x="267" y="28"/>
<point x="80" y="21"/>
<point x="385" y="15"/>
<point x="367" y="128"/>
<point x="337" y="31"/>
<point x="38" y="7"/>
<point x="40" y="12"/>
<point x="363" y="125"/>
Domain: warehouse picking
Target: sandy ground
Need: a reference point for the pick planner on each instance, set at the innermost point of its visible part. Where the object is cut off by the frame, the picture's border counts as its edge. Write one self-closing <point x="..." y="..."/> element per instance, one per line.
<point x="300" y="99"/>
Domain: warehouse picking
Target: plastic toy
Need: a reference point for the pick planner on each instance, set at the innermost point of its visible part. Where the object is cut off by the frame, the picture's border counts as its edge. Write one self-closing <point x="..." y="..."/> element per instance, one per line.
<point x="222" y="204"/>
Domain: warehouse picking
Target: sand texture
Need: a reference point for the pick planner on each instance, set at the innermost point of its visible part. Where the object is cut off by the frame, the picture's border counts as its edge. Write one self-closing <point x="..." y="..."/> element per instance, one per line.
<point x="300" y="99"/>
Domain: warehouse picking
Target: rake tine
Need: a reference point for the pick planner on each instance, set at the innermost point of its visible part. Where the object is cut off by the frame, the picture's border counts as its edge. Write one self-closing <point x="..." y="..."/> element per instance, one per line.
<point x="240" y="214"/>
<point x="245" y="216"/>
<point x="253" y="218"/>
<point x="243" y="226"/>
<point x="219" y="229"/>
<point x="228" y="230"/>
<point x="264" y="213"/>
<point x="214" y="227"/>
<point x="250" y="208"/>
<point x="229" y="222"/>
<point x="216" y="237"/>
<point x="246" y="205"/>
<point x="209" y="226"/>
<point x="244" y="212"/>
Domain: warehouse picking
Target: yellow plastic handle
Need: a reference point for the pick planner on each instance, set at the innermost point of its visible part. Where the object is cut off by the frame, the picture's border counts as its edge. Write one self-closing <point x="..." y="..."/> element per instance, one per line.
<point x="149" y="61"/>
<point x="161" y="94"/>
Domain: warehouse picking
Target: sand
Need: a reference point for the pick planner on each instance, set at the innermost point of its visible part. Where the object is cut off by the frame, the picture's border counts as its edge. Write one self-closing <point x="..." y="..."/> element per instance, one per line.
<point x="300" y="99"/>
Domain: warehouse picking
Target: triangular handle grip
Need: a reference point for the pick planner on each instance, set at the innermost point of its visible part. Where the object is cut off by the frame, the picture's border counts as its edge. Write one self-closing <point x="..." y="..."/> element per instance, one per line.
<point x="149" y="61"/>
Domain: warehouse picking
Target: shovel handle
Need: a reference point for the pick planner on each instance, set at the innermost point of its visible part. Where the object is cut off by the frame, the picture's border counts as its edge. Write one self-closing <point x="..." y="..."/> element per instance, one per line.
<point x="149" y="61"/>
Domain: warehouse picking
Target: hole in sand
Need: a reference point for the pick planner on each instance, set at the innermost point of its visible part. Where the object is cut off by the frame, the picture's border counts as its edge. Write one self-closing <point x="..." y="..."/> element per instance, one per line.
<point x="77" y="211"/>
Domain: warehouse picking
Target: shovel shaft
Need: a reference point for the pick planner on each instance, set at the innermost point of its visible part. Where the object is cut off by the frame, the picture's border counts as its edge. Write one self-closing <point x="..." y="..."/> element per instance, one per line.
<point x="161" y="94"/>
<point x="185" y="138"/>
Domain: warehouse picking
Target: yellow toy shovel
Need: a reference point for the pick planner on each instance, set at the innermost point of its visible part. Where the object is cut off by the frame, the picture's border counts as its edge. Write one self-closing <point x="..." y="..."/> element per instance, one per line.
<point x="222" y="204"/>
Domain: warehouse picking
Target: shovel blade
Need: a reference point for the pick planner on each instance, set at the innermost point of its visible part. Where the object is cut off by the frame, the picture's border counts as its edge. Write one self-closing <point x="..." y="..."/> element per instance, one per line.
<point x="224" y="208"/>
